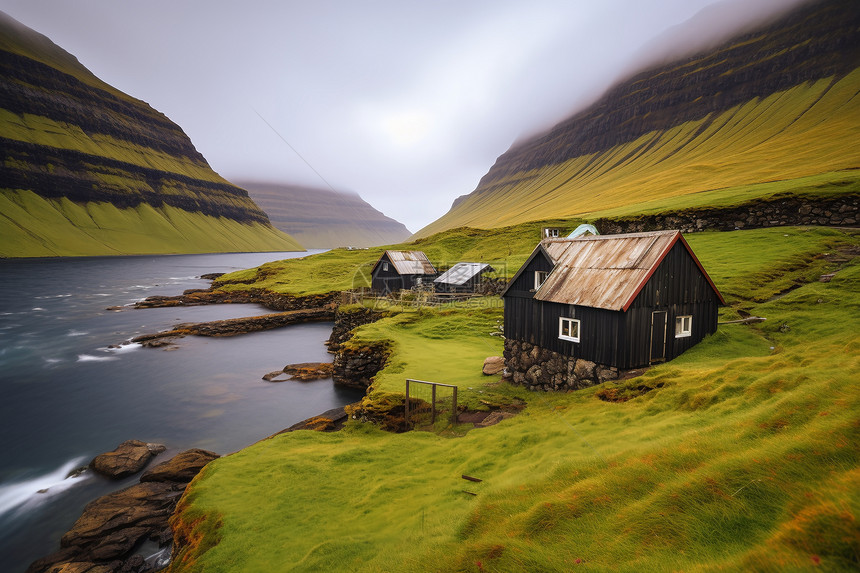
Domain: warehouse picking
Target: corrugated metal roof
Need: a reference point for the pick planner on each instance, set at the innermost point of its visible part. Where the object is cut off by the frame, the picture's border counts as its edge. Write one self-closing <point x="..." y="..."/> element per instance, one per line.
<point x="605" y="271"/>
<point x="460" y="273"/>
<point x="411" y="262"/>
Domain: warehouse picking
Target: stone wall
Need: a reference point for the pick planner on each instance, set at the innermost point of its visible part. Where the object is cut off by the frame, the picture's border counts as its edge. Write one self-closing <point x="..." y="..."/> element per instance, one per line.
<point x="842" y="211"/>
<point x="538" y="368"/>
<point x="356" y="365"/>
<point x="347" y="320"/>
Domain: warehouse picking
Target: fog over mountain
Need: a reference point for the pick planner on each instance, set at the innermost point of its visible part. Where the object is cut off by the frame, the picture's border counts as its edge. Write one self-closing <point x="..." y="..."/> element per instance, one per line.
<point x="407" y="103"/>
<point x="324" y="218"/>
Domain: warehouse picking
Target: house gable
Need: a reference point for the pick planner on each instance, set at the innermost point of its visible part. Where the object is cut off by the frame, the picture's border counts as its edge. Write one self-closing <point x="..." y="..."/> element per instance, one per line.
<point x="682" y="250"/>
<point x="523" y="282"/>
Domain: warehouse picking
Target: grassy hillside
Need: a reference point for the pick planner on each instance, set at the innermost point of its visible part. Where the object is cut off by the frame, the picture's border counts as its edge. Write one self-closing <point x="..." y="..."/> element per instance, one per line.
<point x="775" y="145"/>
<point x="760" y="115"/>
<point x="31" y="226"/>
<point x="89" y="170"/>
<point x="342" y="269"/>
<point x="742" y="456"/>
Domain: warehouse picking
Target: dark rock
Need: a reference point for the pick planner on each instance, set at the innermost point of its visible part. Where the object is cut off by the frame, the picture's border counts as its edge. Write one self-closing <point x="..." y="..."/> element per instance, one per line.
<point x="111" y="526"/>
<point x="160" y="343"/>
<point x="273" y="376"/>
<point x="180" y="468"/>
<point x="494" y="418"/>
<point x="266" y="298"/>
<point x="493" y="365"/>
<point x="156" y="448"/>
<point x="307" y="371"/>
<point x="105" y="536"/>
<point x="584" y="369"/>
<point x="128" y="458"/>
<point x="77" y="471"/>
<point x="604" y="373"/>
<point x="328" y="421"/>
<point x="234" y="326"/>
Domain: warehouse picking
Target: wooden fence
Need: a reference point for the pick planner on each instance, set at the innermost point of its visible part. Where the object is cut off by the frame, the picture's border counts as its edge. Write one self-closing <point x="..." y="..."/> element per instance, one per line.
<point x="406" y="299"/>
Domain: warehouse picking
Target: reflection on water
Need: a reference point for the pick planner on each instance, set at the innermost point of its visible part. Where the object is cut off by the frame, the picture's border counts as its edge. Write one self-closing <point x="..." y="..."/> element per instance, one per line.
<point x="70" y="394"/>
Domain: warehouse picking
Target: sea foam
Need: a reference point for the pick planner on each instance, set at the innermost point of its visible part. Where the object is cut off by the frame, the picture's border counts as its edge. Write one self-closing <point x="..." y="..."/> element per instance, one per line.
<point x="91" y="358"/>
<point x="18" y="496"/>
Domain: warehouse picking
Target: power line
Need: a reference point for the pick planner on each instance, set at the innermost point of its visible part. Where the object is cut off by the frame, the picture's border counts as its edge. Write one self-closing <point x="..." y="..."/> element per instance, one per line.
<point x="299" y="155"/>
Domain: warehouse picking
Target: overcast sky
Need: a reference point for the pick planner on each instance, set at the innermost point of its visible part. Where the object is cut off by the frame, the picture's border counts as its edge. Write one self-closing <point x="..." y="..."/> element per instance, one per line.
<point x="407" y="103"/>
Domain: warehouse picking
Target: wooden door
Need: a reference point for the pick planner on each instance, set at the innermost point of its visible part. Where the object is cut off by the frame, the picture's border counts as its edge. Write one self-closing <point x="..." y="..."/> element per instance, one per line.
<point x="658" y="336"/>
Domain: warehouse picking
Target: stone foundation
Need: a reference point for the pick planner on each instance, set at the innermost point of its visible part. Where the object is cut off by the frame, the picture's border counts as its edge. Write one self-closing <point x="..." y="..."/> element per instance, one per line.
<point x="537" y="368"/>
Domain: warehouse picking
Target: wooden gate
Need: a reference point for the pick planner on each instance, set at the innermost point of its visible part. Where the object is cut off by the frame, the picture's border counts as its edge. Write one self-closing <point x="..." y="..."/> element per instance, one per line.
<point x="415" y="412"/>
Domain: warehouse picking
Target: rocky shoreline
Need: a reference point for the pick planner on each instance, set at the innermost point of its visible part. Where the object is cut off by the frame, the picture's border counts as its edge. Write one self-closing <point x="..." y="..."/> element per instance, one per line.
<point x="234" y="326"/>
<point x="108" y="535"/>
<point x="263" y="297"/>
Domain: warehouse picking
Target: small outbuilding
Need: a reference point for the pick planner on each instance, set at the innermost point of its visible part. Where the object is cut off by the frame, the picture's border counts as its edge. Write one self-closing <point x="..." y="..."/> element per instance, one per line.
<point x="551" y="232"/>
<point x="593" y="305"/>
<point x="462" y="277"/>
<point x="396" y="270"/>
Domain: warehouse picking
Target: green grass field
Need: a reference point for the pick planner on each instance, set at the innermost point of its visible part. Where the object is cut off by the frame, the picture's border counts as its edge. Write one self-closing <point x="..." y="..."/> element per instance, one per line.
<point x="743" y="457"/>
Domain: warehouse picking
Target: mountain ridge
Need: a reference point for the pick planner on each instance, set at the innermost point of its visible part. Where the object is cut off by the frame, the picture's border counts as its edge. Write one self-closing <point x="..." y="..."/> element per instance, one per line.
<point x="796" y="65"/>
<point x="70" y="140"/>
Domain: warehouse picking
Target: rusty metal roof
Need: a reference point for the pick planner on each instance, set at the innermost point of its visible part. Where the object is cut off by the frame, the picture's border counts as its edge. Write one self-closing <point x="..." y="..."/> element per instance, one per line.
<point x="460" y="273"/>
<point x="411" y="262"/>
<point x="605" y="271"/>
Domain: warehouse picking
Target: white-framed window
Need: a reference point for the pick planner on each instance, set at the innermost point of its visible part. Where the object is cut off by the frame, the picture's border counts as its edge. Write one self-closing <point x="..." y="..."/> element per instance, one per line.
<point x="540" y="277"/>
<point x="568" y="329"/>
<point x="683" y="326"/>
<point x="384" y="266"/>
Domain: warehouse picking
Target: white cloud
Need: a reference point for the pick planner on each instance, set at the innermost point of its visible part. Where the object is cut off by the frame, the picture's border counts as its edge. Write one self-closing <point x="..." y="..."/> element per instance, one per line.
<point x="407" y="103"/>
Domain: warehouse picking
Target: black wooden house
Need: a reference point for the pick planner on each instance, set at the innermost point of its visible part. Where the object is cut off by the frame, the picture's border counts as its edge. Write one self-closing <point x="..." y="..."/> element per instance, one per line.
<point x="623" y="301"/>
<point x="396" y="270"/>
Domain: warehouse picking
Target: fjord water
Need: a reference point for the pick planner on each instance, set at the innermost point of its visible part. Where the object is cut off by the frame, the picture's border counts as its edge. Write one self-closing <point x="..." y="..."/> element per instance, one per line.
<point x="65" y="396"/>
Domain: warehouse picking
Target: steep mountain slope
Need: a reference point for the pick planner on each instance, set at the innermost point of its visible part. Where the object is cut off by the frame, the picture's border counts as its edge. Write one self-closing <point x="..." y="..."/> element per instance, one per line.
<point x="89" y="170"/>
<point x="770" y="106"/>
<point x="322" y="218"/>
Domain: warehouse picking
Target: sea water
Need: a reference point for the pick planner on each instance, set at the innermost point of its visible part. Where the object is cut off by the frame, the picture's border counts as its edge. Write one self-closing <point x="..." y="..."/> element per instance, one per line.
<point x="68" y="393"/>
